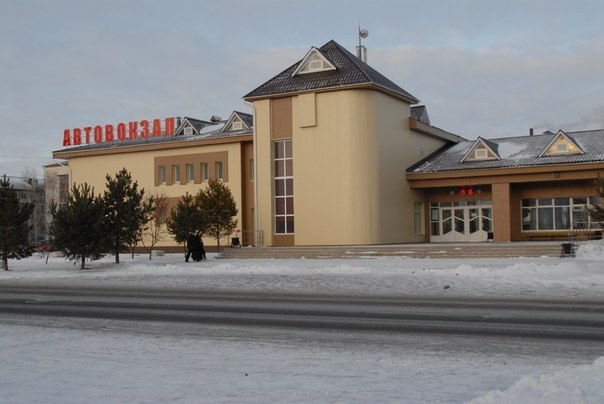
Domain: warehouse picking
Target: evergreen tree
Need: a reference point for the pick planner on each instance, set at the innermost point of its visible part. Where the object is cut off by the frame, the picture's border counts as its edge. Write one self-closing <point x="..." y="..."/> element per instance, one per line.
<point x="14" y="224"/>
<point x="596" y="212"/>
<point x="184" y="219"/>
<point x="218" y="207"/>
<point x="78" y="227"/>
<point x="126" y="212"/>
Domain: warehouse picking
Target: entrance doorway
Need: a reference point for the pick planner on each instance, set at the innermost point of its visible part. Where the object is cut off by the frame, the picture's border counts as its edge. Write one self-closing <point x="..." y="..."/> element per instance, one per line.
<point x="465" y="221"/>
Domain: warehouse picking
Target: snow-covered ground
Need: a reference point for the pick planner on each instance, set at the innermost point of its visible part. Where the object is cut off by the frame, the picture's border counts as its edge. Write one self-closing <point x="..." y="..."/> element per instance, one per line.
<point x="72" y="361"/>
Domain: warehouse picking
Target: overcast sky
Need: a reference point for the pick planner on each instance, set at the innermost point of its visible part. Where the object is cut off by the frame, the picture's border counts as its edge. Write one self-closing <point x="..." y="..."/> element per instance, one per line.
<point x="482" y="68"/>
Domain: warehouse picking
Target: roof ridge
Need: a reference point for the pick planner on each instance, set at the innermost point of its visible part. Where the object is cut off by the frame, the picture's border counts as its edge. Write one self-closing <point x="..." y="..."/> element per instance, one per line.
<point x="367" y="70"/>
<point x="355" y="60"/>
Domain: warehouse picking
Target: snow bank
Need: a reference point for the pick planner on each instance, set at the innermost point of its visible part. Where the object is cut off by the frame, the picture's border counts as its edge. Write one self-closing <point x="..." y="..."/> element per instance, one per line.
<point x="580" y="384"/>
<point x="591" y="250"/>
<point x="542" y="277"/>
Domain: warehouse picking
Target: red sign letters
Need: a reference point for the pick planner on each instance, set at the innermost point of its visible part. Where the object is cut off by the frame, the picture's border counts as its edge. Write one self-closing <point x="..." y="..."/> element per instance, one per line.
<point x="109" y="133"/>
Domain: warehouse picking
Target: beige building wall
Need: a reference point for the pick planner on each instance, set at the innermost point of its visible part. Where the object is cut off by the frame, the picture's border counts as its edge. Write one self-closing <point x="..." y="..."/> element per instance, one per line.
<point x="93" y="169"/>
<point x="350" y="152"/>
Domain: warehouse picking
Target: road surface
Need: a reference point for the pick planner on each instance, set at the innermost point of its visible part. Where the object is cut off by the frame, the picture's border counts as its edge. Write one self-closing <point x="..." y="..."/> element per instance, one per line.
<point x="471" y="316"/>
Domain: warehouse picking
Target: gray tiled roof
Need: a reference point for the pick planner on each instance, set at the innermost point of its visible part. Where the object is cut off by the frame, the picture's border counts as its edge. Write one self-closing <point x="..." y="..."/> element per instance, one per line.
<point x="420" y="113"/>
<point x="248" y="119"/>
<point x="521" y="151"/>
<point x="350" y="71"/>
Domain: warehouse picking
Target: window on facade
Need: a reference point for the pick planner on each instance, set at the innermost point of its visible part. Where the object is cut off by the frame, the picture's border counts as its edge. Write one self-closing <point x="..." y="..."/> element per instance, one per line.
<point x="284" y="187"/>
<point x="556" y="213"/>
<point x="190" y="173"/>
<point x="218" y="167"/>
<point x="204" y="171"/>
<point x="188" y="130"/>
<point x="237" y="125"/>
<point x="175" y="174"/>
<point x="162" y="174"/>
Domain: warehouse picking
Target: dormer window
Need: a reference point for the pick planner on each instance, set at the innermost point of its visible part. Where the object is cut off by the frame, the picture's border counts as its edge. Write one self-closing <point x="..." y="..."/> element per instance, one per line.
<point x="235" y="122"/>
<point x="480" y="154"/>
<point x="313" y="62"/>
<point x="561" y="144"/>
<point x="480" y="151"/>
<point x="562" y="148"/>
<point x="188" y="130"/>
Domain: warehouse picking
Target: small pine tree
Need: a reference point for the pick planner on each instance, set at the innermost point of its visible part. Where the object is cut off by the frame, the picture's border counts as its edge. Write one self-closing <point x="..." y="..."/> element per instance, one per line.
<point x="14" y="224"/>
<point x="126" y="212"/>
<point x="78" y="227"/>
<point x="218" y="207"/>
<point x="184" y="219"/>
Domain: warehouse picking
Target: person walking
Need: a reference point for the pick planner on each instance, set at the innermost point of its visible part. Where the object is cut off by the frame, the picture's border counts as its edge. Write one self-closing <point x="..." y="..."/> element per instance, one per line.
<point x="190" y="246"/>
<point x="197" y="247"/>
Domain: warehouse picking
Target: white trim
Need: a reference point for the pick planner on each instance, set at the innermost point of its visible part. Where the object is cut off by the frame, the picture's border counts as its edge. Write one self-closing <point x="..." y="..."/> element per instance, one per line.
<point x="567" y="139"/>
<point x="471" y="155"/>
<point x="185" y="123"/>
<point x="313" y="53"/>
<point x="232" y="119"/>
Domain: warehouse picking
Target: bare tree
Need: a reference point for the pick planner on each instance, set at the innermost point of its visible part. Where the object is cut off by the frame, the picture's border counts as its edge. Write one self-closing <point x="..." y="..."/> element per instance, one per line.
<point x="156" y="227"/>
<point x="33" y="192"/>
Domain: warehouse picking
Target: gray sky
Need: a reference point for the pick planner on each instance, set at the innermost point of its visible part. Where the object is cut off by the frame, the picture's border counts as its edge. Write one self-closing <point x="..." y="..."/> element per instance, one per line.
<point x="482" y="68"/>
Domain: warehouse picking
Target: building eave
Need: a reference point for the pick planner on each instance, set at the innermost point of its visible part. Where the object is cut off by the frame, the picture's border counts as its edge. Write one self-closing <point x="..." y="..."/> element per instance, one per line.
<point x="433" y="131"/>
<point x="369" y="86"/>
<point x="524" y="174"/>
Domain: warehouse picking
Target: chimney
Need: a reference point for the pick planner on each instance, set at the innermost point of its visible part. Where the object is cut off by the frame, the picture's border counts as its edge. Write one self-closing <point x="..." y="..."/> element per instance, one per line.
<point x="530" y="131"/>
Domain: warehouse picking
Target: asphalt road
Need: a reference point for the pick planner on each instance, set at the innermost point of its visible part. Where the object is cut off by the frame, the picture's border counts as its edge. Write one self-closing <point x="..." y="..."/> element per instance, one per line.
<point x="512" y="318"/>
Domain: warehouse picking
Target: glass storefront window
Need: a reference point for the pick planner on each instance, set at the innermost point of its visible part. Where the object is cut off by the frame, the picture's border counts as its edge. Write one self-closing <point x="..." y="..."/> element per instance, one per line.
<point x="556" y="213"/>
<point x="562" y="218"/>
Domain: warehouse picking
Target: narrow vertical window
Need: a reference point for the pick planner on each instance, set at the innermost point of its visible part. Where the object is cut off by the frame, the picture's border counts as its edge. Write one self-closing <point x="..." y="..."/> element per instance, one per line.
<point x="218" y="167"/>
<point x="251" y="169"/>
<point x="162" y="174"/>
<point x="204" y="171"/>
<point x="284" y="187"/>
<point x="175" y="174"/>
<point x="190" y="173"/>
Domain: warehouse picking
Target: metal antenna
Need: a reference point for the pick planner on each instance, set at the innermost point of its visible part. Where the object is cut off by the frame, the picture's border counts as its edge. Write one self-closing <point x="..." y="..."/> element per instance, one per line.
<point x="362" y="50"/>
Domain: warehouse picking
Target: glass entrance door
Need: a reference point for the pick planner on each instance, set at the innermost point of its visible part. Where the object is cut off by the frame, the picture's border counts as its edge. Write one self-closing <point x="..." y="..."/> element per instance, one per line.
<point x="460" y="221"/>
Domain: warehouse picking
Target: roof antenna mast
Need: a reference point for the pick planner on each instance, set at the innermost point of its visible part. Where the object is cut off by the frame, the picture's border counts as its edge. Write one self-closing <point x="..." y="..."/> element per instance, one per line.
<point x="362" y="50"/>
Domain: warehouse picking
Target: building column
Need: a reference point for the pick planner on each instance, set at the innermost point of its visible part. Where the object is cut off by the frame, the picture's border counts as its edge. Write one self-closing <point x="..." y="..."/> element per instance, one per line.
<point x="502" y="231"/>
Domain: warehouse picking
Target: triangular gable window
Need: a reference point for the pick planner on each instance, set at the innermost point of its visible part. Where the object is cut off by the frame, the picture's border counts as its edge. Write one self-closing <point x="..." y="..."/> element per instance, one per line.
<point x="480" y="151"/>
<point x="185" y="128"/>
<point x="561" y="144"/>
<point x="234" y="123"/>
<point x="314" y="61"/>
